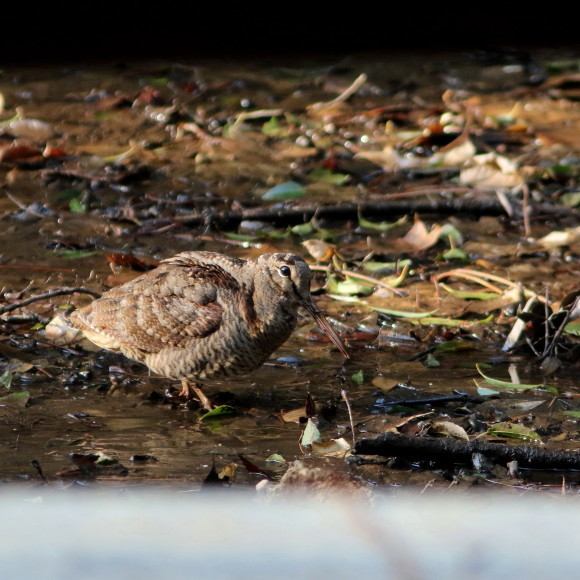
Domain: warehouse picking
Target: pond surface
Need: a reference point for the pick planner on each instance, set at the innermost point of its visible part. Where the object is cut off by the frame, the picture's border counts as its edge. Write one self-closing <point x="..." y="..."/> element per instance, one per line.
<point x="130" y="159"/>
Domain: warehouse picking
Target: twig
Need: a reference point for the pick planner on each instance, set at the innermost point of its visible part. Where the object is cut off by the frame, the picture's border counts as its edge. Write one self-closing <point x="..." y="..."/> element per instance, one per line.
<point x="38" y="468"/>
<point x="32" y="267"/>
<point x="345" y="95"/>
<point x="551" y="346"/>
<point x="46" y="295"/>
<point x="526" y="209"/>
<point x="102" y="177"/>
<point x="344" y="396"/>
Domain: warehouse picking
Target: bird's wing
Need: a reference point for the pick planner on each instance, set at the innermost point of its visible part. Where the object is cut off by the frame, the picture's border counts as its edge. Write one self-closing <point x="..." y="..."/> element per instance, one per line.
<point x="167" y="306"/>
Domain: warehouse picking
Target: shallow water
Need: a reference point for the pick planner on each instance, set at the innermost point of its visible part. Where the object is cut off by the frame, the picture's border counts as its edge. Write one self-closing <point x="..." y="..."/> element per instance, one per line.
<point x="70" y="409"/>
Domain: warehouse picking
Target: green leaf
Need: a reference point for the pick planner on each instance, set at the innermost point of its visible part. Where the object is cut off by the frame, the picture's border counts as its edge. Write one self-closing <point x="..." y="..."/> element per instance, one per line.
<point x="484" y="392"/>
<point x="310" y="434"/>
<point x="452" y="346"/>
<point x="105" y="460"/>
<point x="452" y="233"/>
<point x="402" y="313"/>
<point x="454" y="254"/>
<point x="242" y="237"/>
<point x="347" y="287"/>
<point x="575" y="414"/>
<point x="386" y="311"/>
<point x="358" y="377"/>
<point x="380" y="226"/>
<point x="324" y="175"/>
<point x="573" y="328"/>
<point x="283" y="191"/>
<point x="19" y="399"/>
<point x="75" y="254"/>
<point x="432" y="362"/>
<point x="77" y="206"/>
<point x="273" y="128"/>
<point x="513" y="431"/>
<point x="6" y="378"/>
<point x="438" y="321"/>
<point x="469" y="295"/>
<point x="509" y="385"/>
<point x="276" y="458"/>
<point x="571" y="199"/>
<point x="303" y="229"/>
<point x="371" y="266"/>
<point x="221" y="411"/>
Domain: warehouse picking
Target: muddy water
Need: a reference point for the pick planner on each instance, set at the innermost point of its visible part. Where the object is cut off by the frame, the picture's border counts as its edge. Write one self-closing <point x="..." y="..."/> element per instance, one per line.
<point x="70" y="408"/>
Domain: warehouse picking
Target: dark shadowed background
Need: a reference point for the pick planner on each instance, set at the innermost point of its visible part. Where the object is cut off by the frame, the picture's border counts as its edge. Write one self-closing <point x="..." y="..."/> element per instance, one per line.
<point x="67" y="32"/>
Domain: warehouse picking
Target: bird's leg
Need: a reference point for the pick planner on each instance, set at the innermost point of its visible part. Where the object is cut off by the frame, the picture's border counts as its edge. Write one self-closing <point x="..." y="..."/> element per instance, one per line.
<point x="186" y="389"/>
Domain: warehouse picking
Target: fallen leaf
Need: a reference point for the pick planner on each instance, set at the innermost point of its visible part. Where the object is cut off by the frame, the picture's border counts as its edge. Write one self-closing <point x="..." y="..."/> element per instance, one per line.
<point x="513" y="431"/>
<point x="310" y="434"/>
<point x="420" y="238"/>
<point x="284" y="191"/>
<point x="332" y="448"/>
<point x="449" y="429"/>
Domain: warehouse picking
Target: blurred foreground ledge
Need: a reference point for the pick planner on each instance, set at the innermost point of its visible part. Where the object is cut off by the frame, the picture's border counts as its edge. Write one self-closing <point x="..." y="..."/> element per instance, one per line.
<point x="167" y="534"/>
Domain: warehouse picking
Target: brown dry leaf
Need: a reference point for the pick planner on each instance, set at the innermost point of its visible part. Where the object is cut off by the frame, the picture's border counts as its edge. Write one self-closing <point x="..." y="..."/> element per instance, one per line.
<point x="228" y="471"/>
<point x="558" y="239"/>
<point x="456" y="156"/>
<point x="449" y="429"/>
<point x="17" y="151"/>
<point x="294" y="416"/>
<point x="329" y="109"/>
<point x="389" y="159"/>
<point x="490" y="170"/>
<point x="118" y="261"/>
<point x="31" y="129"/>
<point x="290" y="151"/>
<point x="419" y="237"/>
<point x="320" y="250"/>
<point x="332" y="448"/>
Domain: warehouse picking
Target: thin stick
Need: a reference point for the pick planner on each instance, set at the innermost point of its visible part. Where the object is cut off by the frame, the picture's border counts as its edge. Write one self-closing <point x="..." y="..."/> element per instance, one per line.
<point x="526" y="209"/>
<point x="344" y="396"/>
<point x="46" y="295"/>
<point x="35" y="268"/>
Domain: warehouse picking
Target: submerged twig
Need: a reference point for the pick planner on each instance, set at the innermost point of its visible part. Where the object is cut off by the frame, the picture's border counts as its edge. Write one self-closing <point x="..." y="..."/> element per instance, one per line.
<point x="46" y="295"/>
<point x="552" y="344"/>
<point x="435" y="400"/>
<point x="345" y="398"/>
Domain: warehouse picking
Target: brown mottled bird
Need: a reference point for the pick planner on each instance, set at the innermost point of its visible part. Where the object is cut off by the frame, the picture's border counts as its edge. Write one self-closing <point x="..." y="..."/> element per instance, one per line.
<point x="202" y="315"/>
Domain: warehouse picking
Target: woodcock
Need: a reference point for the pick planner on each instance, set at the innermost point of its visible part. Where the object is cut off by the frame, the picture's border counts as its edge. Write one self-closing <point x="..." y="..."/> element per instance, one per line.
<point x="203" y="315"/>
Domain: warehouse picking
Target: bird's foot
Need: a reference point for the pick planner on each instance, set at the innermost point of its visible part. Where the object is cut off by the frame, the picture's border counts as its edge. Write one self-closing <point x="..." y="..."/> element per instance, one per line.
<point x="186" y="392"/>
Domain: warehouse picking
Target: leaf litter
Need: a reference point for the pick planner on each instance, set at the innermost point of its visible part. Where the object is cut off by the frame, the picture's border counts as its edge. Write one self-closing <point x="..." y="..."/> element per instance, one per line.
<point x="197" y="157"/>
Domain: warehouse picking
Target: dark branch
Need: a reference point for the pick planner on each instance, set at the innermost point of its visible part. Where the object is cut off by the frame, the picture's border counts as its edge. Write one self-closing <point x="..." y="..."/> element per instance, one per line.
<point x="289" y="214"/>
<point x="450" y="452"/>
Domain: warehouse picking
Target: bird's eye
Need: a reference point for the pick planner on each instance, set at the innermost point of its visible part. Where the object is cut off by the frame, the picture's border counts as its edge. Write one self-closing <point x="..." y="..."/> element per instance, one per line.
<point x="284" y="271"/>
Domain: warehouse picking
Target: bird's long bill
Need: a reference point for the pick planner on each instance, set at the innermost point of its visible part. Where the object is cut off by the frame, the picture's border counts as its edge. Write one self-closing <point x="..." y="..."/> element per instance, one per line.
<point x="325" y="325"/>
